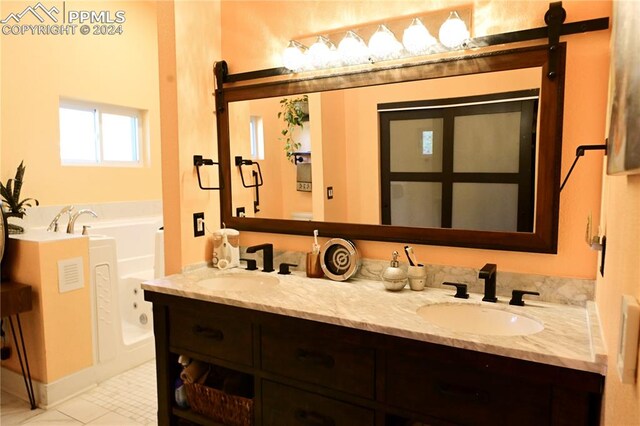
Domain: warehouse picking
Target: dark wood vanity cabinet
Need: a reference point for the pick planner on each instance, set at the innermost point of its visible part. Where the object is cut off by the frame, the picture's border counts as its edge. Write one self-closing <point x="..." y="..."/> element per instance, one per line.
<point x="314" y="374"/>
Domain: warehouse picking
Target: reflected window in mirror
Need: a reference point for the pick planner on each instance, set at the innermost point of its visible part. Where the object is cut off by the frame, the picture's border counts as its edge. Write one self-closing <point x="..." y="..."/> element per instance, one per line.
<point x="256" y="134"/>
<point x="464" y="163"/>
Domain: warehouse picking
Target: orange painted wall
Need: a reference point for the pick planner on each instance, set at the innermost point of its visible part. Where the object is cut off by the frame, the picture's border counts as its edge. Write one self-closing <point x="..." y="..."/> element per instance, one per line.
<point x="189" y="43"/>
<point x="58" y="330"/>
<point x="114" y="69"/>
<point x="620" y="222"/>
<point x="274" y="23"/>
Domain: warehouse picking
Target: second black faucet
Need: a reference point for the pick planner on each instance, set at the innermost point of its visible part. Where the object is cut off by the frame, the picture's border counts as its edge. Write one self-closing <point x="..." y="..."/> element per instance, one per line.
<point x="267" y="255"/>
<point x="488" y="273"/>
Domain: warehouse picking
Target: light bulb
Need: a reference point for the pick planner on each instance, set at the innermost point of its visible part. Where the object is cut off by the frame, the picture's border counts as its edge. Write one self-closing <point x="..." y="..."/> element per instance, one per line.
<point x="416" y="38"/>
<point x="453" y="32"/>
<point x="293" y="56"/>
<point x="321" y="53"/>
<point x="352" y="50"/>
<point x="383" y="44"/>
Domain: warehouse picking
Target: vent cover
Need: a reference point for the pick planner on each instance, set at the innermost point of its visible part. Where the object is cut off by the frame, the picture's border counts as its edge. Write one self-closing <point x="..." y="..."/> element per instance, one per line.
<point x="70" y="274"/>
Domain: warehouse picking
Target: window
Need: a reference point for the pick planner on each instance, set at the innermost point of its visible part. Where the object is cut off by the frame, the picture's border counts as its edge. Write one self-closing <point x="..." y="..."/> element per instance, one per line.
<point x="447" y="163"/>
<point x="97" y="134"/>
<point x="257" y="137"/>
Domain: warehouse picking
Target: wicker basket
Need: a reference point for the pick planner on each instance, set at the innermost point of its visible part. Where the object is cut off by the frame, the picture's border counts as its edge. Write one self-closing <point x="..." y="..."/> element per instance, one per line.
<point x="228" y="409"/>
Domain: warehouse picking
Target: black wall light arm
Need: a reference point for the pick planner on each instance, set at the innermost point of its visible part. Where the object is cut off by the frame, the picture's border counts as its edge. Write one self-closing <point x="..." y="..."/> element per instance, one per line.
<point x="199" y="161"/>
<point x="579" y="153"/>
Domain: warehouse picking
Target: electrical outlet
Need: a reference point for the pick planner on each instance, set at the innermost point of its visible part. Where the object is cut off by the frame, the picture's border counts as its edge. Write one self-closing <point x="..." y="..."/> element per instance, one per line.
<point x="329" y="192"/>
<point x="240" y="212"/>
<point x="198" y="224"/>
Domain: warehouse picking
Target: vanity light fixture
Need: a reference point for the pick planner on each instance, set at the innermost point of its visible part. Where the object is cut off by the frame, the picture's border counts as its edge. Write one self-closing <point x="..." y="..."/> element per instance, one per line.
<point x="293" y="56"/>
<point x="453" y="32"/>
<point x="352" y="50"/>
<point x="322" y="54"/>
<point x="417" y="39"/>
<point x="383" y="44"/>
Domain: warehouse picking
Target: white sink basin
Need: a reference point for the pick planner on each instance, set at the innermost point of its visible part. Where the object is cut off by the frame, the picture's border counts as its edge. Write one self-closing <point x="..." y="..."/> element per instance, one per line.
<point x="479" y="319"/>
<point x="239" y="282"/>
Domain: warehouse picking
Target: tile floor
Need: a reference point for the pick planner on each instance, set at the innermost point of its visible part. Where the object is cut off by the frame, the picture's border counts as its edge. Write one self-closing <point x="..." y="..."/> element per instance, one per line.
<point x="125" y="400"/>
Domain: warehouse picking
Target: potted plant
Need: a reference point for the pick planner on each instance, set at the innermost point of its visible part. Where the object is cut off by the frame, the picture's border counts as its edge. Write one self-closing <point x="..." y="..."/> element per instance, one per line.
<point x="11" y="202"/>
<point x="294" y="112"/>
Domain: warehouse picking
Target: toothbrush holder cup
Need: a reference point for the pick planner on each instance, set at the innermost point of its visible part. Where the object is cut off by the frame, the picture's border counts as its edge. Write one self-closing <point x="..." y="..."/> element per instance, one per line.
<point x="417" y="277"/>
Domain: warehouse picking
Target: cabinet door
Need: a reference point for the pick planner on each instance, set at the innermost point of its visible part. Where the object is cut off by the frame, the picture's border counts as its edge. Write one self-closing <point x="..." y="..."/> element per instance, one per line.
<point x="286" y="406"/>
<point x="330" y="360"/>
<point x="464" y="395"/>
<point x="208" y="334"/>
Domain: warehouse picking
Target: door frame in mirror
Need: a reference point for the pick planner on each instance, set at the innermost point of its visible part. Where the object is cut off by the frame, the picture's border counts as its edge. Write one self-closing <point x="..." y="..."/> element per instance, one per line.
<point x="545" y="235"/>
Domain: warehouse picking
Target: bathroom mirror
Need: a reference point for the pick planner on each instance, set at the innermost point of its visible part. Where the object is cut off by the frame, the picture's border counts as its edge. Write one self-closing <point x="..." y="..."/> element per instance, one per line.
<point x="376" y="138"/>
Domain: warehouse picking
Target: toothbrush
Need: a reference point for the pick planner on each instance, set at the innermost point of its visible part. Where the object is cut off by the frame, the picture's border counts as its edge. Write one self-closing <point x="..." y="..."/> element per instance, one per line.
<point x="316" y="246"/>
<point x="410" y="255"/>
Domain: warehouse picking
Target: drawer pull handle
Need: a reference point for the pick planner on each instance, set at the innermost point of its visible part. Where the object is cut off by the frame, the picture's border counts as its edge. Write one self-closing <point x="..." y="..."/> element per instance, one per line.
<point x="209" y="333"/>
<point x="460" y="393"/>
<point x="312" y="418"/>
<point x="316" y="358"/>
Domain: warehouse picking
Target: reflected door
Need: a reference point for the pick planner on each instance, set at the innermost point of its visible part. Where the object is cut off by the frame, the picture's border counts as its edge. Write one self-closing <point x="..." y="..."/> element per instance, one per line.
<point x="464" y="163"/>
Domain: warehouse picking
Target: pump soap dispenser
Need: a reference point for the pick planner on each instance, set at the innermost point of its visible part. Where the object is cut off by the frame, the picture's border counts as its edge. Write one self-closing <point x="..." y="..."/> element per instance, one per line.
<point x="393" y="277"/>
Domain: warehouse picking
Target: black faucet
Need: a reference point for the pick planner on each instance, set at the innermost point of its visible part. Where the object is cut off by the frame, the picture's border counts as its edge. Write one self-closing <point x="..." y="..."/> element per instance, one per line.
<point x="267" y="255"/>
<point x="488" y="273"/>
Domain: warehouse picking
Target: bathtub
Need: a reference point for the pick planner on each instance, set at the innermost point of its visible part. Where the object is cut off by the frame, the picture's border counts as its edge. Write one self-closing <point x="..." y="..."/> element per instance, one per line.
<point x="123" y="254"/>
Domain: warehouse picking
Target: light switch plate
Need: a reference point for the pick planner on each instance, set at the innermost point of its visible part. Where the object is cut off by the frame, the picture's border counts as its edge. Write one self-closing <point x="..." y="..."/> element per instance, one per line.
<point x="70" y="274"/>
<point x="628" y="346"/>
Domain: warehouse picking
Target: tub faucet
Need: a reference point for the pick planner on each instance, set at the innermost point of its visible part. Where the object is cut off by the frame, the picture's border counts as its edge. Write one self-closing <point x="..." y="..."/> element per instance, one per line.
<point x="488" y="273"/>
<point x="267" y="255"/>
<point x="72" y="221"/>
<point x="53" y="226"/>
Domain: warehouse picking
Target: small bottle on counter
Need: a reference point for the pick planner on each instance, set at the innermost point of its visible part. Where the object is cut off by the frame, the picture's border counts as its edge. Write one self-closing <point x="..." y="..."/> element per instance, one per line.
<point x="394" y="277"/>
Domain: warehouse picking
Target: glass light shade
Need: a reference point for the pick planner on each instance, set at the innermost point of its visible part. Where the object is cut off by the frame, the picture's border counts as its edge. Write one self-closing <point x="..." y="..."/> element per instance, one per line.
<point x="321" y="53"/>
<point x="453" y="31"/>
<point x="383" y="44"/>
<point x="416" y="38"/>
<point x="293" y="56"/>
<point x="352" y="49"/>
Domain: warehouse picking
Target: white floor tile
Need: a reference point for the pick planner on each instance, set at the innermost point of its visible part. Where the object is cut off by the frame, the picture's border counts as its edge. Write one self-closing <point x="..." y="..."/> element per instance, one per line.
<point x="82" y="410"/>
<point x="128" y="400"/>
<point x="52" y="418"/>
<point x="114" y="419"/>
<point x="15" y="411"/>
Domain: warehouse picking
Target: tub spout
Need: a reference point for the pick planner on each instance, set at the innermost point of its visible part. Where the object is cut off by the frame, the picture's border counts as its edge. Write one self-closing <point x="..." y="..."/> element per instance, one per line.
<point x="53" y="226"/>
<point x="72" y="221"/>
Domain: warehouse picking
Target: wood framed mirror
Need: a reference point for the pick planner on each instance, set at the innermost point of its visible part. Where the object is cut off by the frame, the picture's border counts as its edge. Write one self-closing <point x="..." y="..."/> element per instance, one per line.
<point x="460" y="161"/>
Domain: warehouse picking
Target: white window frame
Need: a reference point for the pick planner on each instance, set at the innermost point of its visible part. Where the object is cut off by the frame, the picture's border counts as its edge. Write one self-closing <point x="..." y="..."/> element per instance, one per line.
<point x="256" y="137"/>
<point x="99" y="109"/>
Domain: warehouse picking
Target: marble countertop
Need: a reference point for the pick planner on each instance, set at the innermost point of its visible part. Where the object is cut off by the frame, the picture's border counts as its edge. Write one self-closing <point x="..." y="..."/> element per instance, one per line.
<point x="571" y="337"/>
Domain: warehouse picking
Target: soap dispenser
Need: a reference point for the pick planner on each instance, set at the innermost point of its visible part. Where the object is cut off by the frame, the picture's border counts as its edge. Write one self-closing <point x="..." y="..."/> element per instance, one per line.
<point x="393" y="277"/>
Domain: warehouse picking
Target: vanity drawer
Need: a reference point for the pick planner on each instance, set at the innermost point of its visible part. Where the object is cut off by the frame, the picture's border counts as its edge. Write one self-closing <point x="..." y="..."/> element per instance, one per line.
<point x="286" y="406"/>
<point x="217" y="336"/>
<point x="328" y="360"/>
<point x="460" y="394"/>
